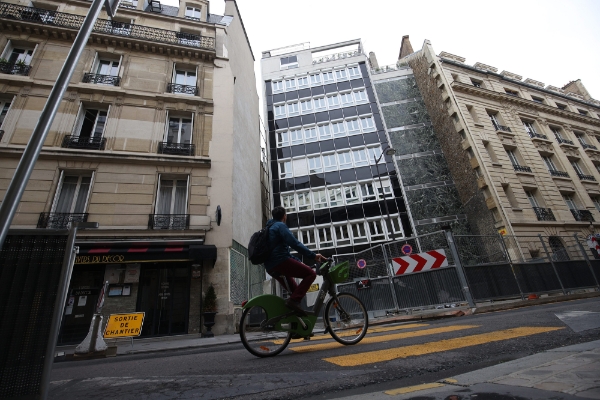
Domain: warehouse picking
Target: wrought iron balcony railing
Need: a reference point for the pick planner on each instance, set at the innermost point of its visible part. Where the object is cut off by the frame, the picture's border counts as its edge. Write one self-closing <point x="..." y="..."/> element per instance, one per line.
<point x="101" y="79"/>
<point x="585" y="177"/>
<point x="521" y="168"/>
<point x="582" y="215"/>
<point x="14" y="68"/>
<point x="182" y="149"/>
<point x="185" y="89"/>
<point x="544" y="214"/>
<point x="588" y="146"/>
<point x="169" y="221"/>
<point x="565" y="141"/>
<point x="503" y="128"/>
<point x="562" y="174"/>
<point x="76" y="142"/>
<point x="60" y="220"/>
<point x="337" y="56"/>
<point x="72" y="21"/>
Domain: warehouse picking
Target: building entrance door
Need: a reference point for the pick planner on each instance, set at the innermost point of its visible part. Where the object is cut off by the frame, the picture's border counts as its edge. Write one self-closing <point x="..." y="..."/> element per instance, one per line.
<point x="163" y="295"/>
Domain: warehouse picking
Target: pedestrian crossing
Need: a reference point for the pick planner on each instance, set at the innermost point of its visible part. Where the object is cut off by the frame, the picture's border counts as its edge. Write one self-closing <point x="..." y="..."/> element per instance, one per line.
<point x="396" y="350"/>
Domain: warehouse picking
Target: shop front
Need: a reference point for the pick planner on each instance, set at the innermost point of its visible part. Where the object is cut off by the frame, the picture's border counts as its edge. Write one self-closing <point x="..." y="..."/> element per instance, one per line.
<point x="157" y="278"/>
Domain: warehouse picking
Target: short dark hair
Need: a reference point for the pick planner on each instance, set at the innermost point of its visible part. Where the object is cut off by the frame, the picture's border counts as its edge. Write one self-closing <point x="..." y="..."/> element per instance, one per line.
<point x="278" y="213"/>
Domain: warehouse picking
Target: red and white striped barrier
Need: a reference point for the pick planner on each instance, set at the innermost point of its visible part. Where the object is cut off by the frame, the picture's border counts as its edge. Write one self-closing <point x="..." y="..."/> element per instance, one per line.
<point x="420" y="262"/>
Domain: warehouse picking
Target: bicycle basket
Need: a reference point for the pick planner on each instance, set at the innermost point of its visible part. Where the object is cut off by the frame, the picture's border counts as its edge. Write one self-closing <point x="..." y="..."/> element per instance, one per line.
<point x="340" y="273"/>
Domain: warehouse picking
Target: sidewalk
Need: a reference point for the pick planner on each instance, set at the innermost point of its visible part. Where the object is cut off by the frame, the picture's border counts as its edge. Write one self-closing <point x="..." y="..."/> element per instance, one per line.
<point x="567" y="373"/>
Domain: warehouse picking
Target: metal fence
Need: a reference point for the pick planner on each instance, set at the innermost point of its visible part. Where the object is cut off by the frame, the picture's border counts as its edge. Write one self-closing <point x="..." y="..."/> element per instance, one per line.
<point x="246" y="279"/>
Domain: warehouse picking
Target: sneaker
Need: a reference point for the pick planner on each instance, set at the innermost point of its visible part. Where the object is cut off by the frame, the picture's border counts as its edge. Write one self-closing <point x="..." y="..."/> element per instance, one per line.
<point x="292" y="305"/>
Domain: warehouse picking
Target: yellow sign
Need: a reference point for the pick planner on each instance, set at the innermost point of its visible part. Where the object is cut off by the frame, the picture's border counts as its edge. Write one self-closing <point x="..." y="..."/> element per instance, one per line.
<point x="313" y="288"/>
<point x="124" y="325"/>
<point x="502" y="231"/>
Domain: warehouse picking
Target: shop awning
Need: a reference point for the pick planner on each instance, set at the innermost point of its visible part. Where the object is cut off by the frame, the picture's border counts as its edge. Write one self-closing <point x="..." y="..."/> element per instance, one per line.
<point x="129" y="252"/>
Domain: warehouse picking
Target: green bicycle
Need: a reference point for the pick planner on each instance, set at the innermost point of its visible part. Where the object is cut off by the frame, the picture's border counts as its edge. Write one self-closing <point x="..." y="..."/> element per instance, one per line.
<point x="267" y="325"/>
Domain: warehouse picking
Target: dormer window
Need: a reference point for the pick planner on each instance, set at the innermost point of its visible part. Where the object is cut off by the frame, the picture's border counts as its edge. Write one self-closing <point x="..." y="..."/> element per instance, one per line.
<point x="193" y="13"/>
<point x="155" y="6"/>
<point x="289" y="62"/>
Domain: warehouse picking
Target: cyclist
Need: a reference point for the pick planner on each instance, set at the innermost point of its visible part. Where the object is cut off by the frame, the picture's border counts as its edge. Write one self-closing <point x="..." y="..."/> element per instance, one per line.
<point x="282" y="263"/>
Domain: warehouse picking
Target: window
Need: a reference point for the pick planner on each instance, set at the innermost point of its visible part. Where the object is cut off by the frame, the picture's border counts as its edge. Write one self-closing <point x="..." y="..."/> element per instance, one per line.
<point x="582" y="112"/>
<point x="179" y="130"/>
<point x="280" y="111"/>
<point x="532" y="199"/>
<point x="193" y="13"/>
<point x="353" y="72"/>
<point x="367" y="192"/>
<point x="17" y="54"/>
<point x="476" y="83"/>
<point x="319" y="199"/>
<point x="596" y="201"/>
<point x="107" y="67"/>
<point x="376" y="230"/>
<point x="557" y="133"/>
<point x="367" y="124"/>
<point x="512" y="92"/>
<point x="495" y="123"/>
<point x="386" y="191"/>
<point x="307" y="237"/>
<point x="310" y="134"/>
<point x="549" y="163"/>
<point x="293" y="109"/>
<point x="90" y="124"/>
<point x="277" y="86"/>
<point x="327" y="77"/>
<point x="283" y="139"/>
<point x="285" y="169"/>
<point x="315" y="79"/>
<point x="360" y="157"/>
<point x="577" y="168"/>
<point x="342" y="235"/>
<point x="290" y="84"/>
<point x="172" y="197"/>
<point x="300" y="166"/>
<point x="353" y="126"/>
<point x="345" y="160"/>
<point x="335" y="197"/>
<point x="296" y="136"/>
<point x="333" y="101"/>
<point x="359" y="233"/>
<point x="324" y="132"/>
<point x="346" y="98"/>
<point x="289" y="62"/>
<point x="529" y="128"/>
<point x="569" y="201"/>
<point x="306" y="106"/>
<point x="351" y="194"/>
<point x="186" y="78"/>
<point x="581" y="138"/>
<point x="561" y="106"/>
<point x="71" y="196"/>
<point x="325" y="237"/>
<point x="338" y="129"/>
<point x="314" y="165"/>
<point x="320" y="103"/>
<point x="512" y="157"/>
<point x="304" y="201"/>
<point x="360" y="96"/>
<point x="340" y="74"/>
<point x="537" y="99"/>
<point x="288" y="201"/>
<point x="374" y="154"/>
<point x="4" y="106"/>
<point x="329" y="162"/>
<point x="303" y="82"/>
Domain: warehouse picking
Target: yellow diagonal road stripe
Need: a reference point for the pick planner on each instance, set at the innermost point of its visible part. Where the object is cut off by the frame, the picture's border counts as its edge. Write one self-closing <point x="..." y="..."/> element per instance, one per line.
<point x="383" y="338"/>
<point x="434" y="347"/>
<point x="416" y="388"/>
<point x="371" y="330"/>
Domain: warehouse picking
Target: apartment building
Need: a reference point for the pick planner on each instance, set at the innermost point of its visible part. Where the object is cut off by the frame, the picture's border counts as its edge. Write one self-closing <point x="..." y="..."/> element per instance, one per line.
<point x="524" y="154"/>
<point x="157" y="139"/>
<point x="330" y="162"/>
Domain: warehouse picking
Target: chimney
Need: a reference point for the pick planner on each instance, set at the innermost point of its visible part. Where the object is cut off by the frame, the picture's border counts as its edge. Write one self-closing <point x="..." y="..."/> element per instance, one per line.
<point x="373" y="60"/>
<point x="577" y="88"/>
<point x="405" y="47"/>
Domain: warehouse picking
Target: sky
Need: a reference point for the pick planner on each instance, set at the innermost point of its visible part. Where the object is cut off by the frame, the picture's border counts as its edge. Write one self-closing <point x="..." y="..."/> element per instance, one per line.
<point x="546" y="40"/>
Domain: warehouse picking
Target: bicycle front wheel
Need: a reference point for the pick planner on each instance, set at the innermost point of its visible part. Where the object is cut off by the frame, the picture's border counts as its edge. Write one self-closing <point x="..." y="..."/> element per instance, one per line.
<point x="258" y="339"/>
<point x="347" y="319"/>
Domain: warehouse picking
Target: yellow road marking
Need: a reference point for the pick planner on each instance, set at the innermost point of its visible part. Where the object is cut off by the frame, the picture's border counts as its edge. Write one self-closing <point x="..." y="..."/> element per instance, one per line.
<point x="369" y="331"/>
<point x="415" y="388"/>
<point x="370" y="357"/>
<point x="449" y="380"/>
<point x="383" y="338"/>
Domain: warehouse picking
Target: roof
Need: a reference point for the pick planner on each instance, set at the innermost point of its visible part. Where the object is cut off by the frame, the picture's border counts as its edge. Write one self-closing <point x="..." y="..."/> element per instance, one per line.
<point x="165" y="10"/>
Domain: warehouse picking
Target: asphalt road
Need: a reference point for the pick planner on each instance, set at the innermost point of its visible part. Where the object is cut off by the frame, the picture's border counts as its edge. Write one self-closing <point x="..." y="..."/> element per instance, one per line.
<point x="401" y="355"/>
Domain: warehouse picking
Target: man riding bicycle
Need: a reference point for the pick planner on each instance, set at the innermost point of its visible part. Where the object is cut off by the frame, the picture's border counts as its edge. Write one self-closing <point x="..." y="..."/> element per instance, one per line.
<point x="282" y="263"/>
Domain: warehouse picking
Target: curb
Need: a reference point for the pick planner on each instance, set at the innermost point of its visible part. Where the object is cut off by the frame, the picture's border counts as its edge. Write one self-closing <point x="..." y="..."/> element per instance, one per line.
<point x="528" y="303"/>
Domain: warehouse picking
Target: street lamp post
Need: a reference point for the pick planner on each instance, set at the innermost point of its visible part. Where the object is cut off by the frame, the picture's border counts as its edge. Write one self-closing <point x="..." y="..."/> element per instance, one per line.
<point x="388" y="151"/>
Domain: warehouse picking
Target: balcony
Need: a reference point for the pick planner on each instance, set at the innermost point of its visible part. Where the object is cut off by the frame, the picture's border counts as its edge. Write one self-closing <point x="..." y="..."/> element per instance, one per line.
<point x="183" y="89"/>
<point x="181" y="149"/>
<point x="560" y="174"/>
<point x="88" y="143"/>
<point x="503" y="128"/>
<point x="60" y="220"/>
<point x="589" y="146"/>
<point x="584" y="177"/>
<point x="544" y="214"/>
<point x="101" y="79"/>
<point x="14" y="68"/>
<point x="169" y="221"/>
<point x="564" y="141"/>
<point x="582" y="215"/>
<point x="104" y="26"/>
<point x="521" y="168"/>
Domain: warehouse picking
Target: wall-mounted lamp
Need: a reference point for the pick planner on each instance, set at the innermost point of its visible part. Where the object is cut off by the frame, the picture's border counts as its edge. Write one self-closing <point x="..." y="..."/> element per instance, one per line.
<point x="218" y="215"/>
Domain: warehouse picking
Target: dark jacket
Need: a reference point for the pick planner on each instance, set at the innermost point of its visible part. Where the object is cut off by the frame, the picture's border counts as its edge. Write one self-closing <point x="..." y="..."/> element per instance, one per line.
<point x="280" y="241"/>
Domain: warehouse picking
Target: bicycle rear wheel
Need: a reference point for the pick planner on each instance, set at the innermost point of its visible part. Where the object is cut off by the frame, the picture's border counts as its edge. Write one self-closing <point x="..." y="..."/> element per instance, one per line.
<point x="259" y="340"/>
<point x="347" y="319"/>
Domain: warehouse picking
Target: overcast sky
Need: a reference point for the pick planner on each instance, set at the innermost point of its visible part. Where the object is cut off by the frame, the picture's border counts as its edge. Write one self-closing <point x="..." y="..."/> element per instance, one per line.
<point x="547" y="40"/>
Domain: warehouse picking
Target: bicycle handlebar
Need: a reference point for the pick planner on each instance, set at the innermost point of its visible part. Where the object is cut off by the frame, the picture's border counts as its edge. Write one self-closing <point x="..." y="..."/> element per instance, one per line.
<point x="317" y="266"/>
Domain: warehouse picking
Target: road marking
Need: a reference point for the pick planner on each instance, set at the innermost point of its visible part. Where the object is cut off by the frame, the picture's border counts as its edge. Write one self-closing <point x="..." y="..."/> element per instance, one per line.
<point x="370" y="357"/>
<point x="415" y="388"/>
<point x="383" y="338"/>
<point x="370" y="330"/>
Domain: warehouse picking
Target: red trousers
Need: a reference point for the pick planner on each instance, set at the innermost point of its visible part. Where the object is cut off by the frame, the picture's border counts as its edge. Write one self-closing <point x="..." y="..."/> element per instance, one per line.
<point x="291" y="268"/>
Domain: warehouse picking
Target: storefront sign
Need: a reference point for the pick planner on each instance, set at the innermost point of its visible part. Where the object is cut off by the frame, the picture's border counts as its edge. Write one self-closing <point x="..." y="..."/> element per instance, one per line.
<point x="132" y="273"/>
<point x="100" y="259"/>
<point x="84" y="292"/>
<point x="124" y="325"/>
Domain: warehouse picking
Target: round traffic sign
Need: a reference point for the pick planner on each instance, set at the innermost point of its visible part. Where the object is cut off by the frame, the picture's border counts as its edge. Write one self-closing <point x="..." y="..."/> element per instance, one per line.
<point x="361" y="263"/>
<point x="406" y="249"/>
